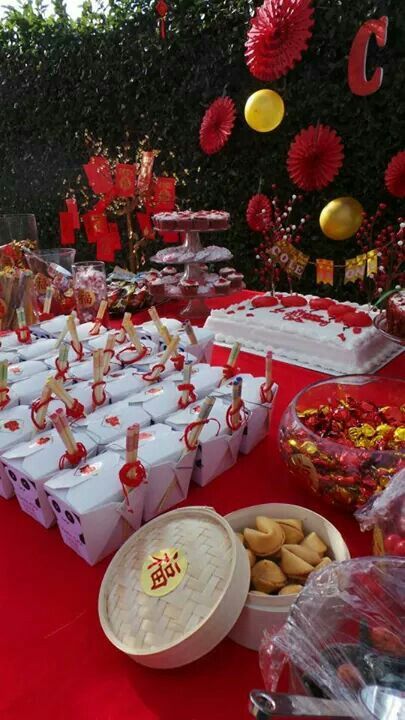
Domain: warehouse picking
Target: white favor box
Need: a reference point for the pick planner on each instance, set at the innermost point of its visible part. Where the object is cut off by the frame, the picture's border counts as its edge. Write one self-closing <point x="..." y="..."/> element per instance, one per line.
<point x="82" y="371"/>
<point x="37" y="350"/>
<point x="148" y="330"/>
<point x="10" y="355"/>
<point x="218" y="448"/>
<point x="28" y="390"/>
<point x="204" y="377"/>
<point x="128" y="381"/>
<point x="259" y="414"/>
<point x="52" y="327"/>
<point x="271" y="611"/>
<point x="84" y="331"/>
<point x="30" y="463"/>
<point x="24" y="370"/>
<point x="50" y="360"/>
<point x="92" y="515"/>
<point x="202" y="350"/>
<point x="9" y="341"/>
<point x="15" y="426"/>
<point x="83" y="392"/>
<point x="110" y="423"/>
<point x="168" y="474"/>
<point x="125" y="354"/>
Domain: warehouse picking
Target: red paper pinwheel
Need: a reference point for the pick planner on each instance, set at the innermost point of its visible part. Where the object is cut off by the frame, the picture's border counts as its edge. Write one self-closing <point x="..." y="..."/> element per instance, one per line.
<point x="277" y="37"/>
<point x="217" y="125"/>
<point x="259" y="213"/>
<point x="395" y="175"/>
<point x="315" y="157"/>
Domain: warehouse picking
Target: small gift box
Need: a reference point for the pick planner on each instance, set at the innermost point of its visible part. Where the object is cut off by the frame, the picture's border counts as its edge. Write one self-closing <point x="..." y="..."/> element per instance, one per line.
<point x="110" y="423"/>
<point x="15" y="426"/>
<point x="37" y="350"/>
<point x="149" y="330"/>
<point x="29" y="464"/>
<point x="10" y="355"/>
<point x="259" y="411"/>
<point x="204" y="378"/>
<point x="127" y="354"/>
<point x="218" y="446"/>
<point x="9" y="341"/>
<point x="90" y="398"/>
<point x="88" y="502"/>
<point x="123" y="383"/>
<point x="87" y="331"/>
<point x="168" y="467"/>
<point x="52" y="327"/>
<point x="24" y="370"/>
<point x="50" y="360"/>
<point x="201" y="350"/>
<point x="25" y="391"/>
<point x="82" y="371"/>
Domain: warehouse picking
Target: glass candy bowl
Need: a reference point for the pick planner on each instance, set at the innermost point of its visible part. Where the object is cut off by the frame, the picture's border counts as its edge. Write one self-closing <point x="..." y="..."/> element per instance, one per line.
<point x="344" y="438"/>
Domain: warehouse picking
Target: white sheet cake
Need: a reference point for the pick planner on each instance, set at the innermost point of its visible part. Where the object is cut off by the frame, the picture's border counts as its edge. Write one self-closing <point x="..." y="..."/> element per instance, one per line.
<point x="315" y="332"/>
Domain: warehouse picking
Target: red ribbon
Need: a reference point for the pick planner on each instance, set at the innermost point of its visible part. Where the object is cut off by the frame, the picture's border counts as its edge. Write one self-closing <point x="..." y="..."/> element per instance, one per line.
<point x="35" y="408"/>
<point x="111" y="354"/>
<point x="178" y="362"/>
<point x="192" y="397"/>
<point x="73" y="458"/>
<point x="95" y="330"/>
<point x="149" y="376"/>
<point x="46" y="316"/>
<point x="264" y="394"/>
<point x="61" y="374"/>
<point x="231" y="413"/>
<point x="6" y="400"/>
<point x="94" y="387"/>
<point x="134" y="359"/>
<point x="131" y="475"/>
<point x="78" y="351"/>
<point x="23" y="334"/>
<point x="229" y="371"/>
<point x="195" y="424"/>
<point x="76" y="411"/>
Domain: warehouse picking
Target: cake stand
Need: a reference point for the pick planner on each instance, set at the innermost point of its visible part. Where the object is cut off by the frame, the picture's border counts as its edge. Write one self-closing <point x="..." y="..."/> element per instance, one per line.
<point x="380" y="323"/>
<point x="196" y="307"/>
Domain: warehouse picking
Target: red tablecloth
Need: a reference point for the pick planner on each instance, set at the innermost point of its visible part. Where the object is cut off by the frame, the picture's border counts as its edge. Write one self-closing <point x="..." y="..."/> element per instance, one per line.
<point x="56" y="663"/>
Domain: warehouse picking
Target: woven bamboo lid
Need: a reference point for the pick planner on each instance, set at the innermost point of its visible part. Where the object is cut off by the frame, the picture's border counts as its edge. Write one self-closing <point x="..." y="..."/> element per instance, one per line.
<point x="187" y="622"/>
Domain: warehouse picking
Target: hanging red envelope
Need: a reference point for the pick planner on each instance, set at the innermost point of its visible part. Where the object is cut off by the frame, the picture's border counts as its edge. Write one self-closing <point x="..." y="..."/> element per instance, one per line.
<point x="114" y="236"/>
<point x="165" y="194"/>
<point x="99" y="175"/>
<point x="145" y="225"/>
<point x="170" y="237"/>
<point x="145" y="171"/>
<point x="105" y="250"/>
<point x="71" y="205"/>
<point x="95" y="225"/>
<point x="124" y="180"/>
<point x="67" y="231"/>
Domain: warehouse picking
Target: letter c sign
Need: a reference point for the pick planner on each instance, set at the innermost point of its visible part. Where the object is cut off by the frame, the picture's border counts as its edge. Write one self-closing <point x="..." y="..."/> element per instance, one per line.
<point x="357" y="78"/>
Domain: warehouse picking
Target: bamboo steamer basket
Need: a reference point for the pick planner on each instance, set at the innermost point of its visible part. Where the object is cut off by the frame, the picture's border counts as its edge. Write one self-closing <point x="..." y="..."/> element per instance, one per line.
<point x="174" y="630"/>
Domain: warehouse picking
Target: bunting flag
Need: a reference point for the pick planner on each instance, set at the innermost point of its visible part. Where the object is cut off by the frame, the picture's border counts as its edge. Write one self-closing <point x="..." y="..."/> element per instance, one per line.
<point x="355" y="268"/>
<point x="372" y="263"/>
<point x="293" y="261"/>
<point x="95" y="225"/>
<point x="324" y="271"/>
<point x="125" y="180"/>
<point x="71" y="205"/>
<point x="67" y="230"/>
<point x="99" y="175"/>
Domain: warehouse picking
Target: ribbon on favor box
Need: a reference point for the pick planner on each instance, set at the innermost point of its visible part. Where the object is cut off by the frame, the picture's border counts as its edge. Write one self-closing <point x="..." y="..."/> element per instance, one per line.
<point x="324" y="271"/>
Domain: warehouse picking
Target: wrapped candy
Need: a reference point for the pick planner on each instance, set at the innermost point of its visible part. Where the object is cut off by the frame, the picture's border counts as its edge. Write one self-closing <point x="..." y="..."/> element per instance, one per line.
<point x="385" y="515"/>
<point x="90" y="288"/>
<point x="345" y="631"/>
<point x="127" y="292"/>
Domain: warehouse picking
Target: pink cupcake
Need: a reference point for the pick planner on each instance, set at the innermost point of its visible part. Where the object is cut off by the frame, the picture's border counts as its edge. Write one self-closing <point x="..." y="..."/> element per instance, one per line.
<point x="224" y="272"/>
<point x="189" y="287"/>
<point x="169" y="271"/>
<point x="236" y="280"/>
<point x="219" y="220"/>
<point x="222" y="286"/>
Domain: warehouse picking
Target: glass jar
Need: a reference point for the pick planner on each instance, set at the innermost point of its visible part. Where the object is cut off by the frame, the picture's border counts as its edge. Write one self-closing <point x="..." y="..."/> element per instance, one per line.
<point x="18" y="227"/>
<point x="90" y="288"/>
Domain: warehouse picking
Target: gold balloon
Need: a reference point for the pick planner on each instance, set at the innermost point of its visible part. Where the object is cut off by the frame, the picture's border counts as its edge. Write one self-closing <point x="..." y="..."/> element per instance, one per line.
<point x="264" y="110"/>
<point x="341" y="218"/>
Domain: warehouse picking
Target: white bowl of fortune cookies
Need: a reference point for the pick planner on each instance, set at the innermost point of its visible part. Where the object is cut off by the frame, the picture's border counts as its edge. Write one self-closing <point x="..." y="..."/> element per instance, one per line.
<point x="285" y="544"/>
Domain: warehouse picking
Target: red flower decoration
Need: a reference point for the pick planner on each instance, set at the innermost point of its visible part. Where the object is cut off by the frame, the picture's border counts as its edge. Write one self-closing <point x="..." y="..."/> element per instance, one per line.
<point x="277" y="37"/>
<point x="259" y="213"/>
<point x="315" y="157"/>
<point x="217" y="125"/>
<point x="395" y="175"/>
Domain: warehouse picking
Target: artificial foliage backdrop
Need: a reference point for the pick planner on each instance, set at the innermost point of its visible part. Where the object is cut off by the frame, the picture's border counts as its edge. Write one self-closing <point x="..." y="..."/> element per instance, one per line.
<point x="112" y="74"/>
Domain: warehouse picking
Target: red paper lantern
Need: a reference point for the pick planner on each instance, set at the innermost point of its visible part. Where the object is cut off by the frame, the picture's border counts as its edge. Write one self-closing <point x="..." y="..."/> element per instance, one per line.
<point x="217" y="125"/>
<point x="315" y="157"/>
<point x="395" y="175"/>
<point x="277" y="37"/>
<point x="259" y="213"/>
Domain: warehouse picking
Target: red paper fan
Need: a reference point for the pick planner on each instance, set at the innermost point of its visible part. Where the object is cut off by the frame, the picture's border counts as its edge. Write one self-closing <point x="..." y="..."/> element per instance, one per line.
<point x="395" y="175"/>
<point x="277" y="37"/>
<point x="217" y="125"/>
<point x="259" y="213"/>
<point x="315" y="157"/>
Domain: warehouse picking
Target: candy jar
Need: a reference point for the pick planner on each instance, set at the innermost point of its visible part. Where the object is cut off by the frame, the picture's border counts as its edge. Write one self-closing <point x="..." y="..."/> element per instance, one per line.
<point x="344" y="438"/>
<point x="90" y="288"/>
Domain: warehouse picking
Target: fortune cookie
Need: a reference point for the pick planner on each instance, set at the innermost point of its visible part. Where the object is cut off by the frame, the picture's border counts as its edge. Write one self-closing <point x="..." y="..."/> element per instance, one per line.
<point x="294" y="566"/>
<point x="292" y="529"/>
<point x="314" y="542"/>
<point x="264" y="543"/>
<point x="241" y="537"/>
<point x="258" y="592"/>
<point x="251" y="556"/>
<point x="324" y="562"/>
<point x="267" y="576"/>
<point x="305" y="553"/>
<point x="290" y="590"/>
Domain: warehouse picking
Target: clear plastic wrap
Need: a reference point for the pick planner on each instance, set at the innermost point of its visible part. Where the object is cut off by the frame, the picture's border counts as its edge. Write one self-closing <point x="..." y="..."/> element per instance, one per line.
<point x="385" y="515"/>
<point x="345" y="631"/>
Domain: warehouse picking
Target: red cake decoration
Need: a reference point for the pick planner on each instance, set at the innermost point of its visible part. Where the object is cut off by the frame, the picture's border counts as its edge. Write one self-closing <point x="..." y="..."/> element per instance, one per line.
<point x="294" y="301"/>
<point x="356" y="319"/>
<point x="321" y="303"/>
<point x="262" y="301"/>
<point x="338" y="310"/>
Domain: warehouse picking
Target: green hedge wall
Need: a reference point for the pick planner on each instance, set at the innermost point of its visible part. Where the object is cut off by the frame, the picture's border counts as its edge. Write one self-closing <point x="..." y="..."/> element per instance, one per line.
<point x="111" y="73"/>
